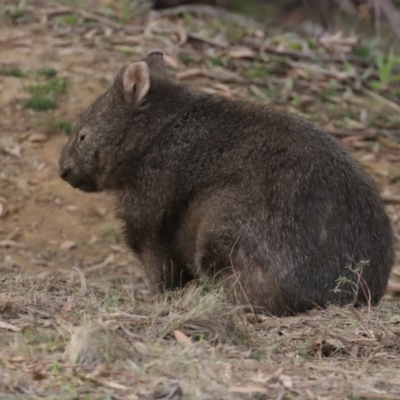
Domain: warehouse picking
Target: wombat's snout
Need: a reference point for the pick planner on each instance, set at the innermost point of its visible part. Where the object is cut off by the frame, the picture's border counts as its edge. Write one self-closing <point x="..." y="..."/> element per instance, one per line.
<point x="64" y="168"/>
<point x="64" y="172"/>
<point x="77" y="178"/>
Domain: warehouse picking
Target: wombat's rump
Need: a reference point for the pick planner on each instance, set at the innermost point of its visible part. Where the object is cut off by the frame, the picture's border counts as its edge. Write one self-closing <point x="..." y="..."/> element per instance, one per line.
<point x="260" y="201"/>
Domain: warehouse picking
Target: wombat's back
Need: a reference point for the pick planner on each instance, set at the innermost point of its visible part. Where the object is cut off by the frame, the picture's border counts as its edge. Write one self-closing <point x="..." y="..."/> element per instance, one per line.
<point x="295" y="210"/>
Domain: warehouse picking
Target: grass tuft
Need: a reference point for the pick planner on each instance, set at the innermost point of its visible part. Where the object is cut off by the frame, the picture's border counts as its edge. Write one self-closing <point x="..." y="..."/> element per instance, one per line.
<point x="41" y="103"/>
<point x="44" y="94"/>
<point x="15" y="72"/>
<point x="63" y="126"/>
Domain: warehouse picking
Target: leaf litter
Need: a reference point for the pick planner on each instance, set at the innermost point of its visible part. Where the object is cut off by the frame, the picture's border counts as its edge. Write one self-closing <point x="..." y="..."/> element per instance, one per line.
<point x="75" y="319"/>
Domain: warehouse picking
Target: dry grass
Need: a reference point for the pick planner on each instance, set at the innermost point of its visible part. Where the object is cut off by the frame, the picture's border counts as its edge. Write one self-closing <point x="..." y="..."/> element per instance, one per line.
<point x="58" y="342"/>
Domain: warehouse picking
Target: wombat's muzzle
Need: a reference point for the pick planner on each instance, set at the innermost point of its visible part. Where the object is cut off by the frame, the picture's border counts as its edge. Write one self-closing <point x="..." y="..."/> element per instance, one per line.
<point x="78" y="181"/>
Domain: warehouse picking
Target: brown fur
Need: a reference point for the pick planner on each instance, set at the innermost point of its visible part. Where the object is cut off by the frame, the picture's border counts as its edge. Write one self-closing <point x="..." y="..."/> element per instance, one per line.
<point x="258" y="200"/>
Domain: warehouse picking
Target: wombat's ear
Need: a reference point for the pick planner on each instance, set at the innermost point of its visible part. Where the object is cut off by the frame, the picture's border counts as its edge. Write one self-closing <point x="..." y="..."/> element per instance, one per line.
<point x="155" y="61"/>
<point x="155" y="57"/>
<point x="136" y="82"/>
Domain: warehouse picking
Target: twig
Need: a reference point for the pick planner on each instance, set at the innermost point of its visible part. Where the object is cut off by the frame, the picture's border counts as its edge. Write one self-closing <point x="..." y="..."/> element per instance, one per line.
<point x="212" y="42"/>
<point x="357" y="315"/>
<point x="387" y="8"/>
<point x="361" y="134"/>
<point x="86" y="15"/>
<point x="226" y="77"/>
<point x="381" y="99"/>
<point x="390" y="198"/>
<point x="301" y="55"/>
<point x="204" y="10"/>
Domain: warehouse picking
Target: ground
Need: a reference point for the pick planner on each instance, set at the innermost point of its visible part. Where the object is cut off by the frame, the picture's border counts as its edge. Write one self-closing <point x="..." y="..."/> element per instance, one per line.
<point x="75" y="320"/>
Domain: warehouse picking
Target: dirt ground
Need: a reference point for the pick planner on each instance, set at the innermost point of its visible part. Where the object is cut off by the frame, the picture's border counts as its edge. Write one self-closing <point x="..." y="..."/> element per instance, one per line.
<point x="47" y="228"/>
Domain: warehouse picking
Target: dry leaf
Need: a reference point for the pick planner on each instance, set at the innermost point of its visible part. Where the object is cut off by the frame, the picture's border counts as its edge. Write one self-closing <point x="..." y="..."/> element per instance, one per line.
<point x="6" y="325"/>
<point x="82" y="292"/>
<point x="17" y="359"/>
<point x="91" y="34"/>
<point x="67" y="245"/>
<point x="111" y="384"/>
<point x="182" y="34"/>
<point x="37" y="138"/>
<point x="247" y="389"/>
<point x="67" y="307"/>
<point x="286" y="381"/>
<point x="242" y="52"/>
<point x="183" y="339"/>
<point x="14" y="151"/>
<point x="393" y="287"/>
<point x="11" y="243"/>
<point x="168" y="391"/>
<point x="188" y="73"/>
<point x="396" y="271"/>
<point x="172" y="62"/>
<point x="125" y="49"/>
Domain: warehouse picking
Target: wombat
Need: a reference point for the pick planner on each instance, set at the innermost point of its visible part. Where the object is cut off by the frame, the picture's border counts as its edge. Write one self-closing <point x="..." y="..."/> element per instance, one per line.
<point x="257" y="200"/>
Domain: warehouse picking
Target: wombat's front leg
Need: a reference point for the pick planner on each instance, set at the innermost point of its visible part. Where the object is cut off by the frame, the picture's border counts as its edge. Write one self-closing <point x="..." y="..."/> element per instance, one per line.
<point x="161" y="270"/>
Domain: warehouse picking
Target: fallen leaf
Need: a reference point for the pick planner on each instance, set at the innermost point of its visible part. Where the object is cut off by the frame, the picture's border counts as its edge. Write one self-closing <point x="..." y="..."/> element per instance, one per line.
<point x="396" y="271"/>
<point x="168" y="391"/>
<point x="91" y="34"/>
<point x="183" y="339"/>
<point x="17" y="359"/>
<point x="82" y="292"/>
<point x="188" y="73"/>
<point x="14" y="151"/>
<point x="67" y="307"/>
<point x="11" y="243"/>
<point x="37" y="138"/>
<point x="6" y="325"/>
<point x="247" y="389"/>
<point x="38" y="376"/>
<point x="242" y="52"/>
<point x="112" y="384"/>
<point x="67" y="245"/>
<point x="183" y="36"/>
<point x="286" y="381"/>
<point x="125" y="49"/>
<point x="172" y="62"/>
<point x="393" y="287"/>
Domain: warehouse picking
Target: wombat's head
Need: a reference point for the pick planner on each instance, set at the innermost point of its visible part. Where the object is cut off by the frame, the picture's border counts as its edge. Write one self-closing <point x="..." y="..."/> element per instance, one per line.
<point x="100" y="141"/>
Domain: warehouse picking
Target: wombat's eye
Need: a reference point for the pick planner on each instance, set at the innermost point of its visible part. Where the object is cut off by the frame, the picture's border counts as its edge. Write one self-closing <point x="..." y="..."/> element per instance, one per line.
<point x="82" y="136"/>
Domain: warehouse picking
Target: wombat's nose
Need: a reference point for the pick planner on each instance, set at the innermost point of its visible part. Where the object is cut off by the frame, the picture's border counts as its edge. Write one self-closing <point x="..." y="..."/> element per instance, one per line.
<point x="64" y="173"/>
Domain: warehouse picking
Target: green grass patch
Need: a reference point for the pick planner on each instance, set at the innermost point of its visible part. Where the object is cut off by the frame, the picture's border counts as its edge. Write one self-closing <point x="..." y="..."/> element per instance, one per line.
<point x="41" y="103"/>
<point x="15" y="72"/>
<point x="256" y="72"/>
<point x="46" y="72"/>
<point x="72" y="20"/>
<point x="52" y="87"/>
<point x="44" y="94"/>
<point x="63" y="126"/>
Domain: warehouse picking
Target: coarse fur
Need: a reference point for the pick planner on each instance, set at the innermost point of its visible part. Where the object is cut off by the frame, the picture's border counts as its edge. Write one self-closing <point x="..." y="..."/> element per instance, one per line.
<point x="257" y="200"/>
